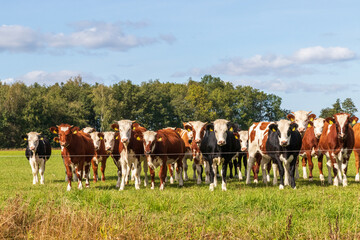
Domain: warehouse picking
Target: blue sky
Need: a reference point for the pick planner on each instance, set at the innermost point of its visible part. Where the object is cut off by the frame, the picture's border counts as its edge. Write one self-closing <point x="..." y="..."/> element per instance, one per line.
<point x="306" y="52"/>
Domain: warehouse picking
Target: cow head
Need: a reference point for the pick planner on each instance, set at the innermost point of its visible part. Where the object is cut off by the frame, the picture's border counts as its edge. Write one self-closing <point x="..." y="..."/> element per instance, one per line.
<point x="341" y="121"/>
<point x="97" y="137"/>
<point x="283" y="129"/>
<point x="149" y="139"/>
<point x="33" y="140"/>
<point x="301" y="118"/>
<point x="197" y="130"/>
<point x="221" y="127"/>
<point x="318" y="125"/>
<point x="65" y="132"/>
<point x="188" y="127"/>
<point x="124" y="127"/>
<point x="244" y="139"/>
<point x="109" y="140"/>
<point x="88" y="130"/>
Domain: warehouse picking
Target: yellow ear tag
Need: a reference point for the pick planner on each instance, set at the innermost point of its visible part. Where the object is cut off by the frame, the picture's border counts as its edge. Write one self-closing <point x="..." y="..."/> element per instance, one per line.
<point x="273" y="130"/>
<point x="293" y="129"/>
<point x="354" y="122"/>
<point x="57" y="141"/>
<point x="311" y="119"/>
<point x="236" y="137"/>
<point x="211" y="130"/>
<point x="41" y="138"/>
<point x="330" y="122"/>
<point x="55" y="131"/>
<point x="25" y="139"/>
<point x="117" y="137"/>
<point x="231" y="129"/>
<point x="309" y="125"/>
<point x="116" y="129"/>
<point x="292" y="119"/>
<point x="101" y="138"/>
<point x="138" y="138"/>
<point x="75" y="132"/>
<point x="189" y="130"/>
<point x="133" y="128"/>
<point x="159" y="139"/>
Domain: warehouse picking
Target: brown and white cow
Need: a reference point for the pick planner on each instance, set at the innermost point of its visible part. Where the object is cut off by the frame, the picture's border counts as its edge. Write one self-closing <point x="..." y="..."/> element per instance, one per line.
<point x="301" y="118"/>
<point x="101" y="155"/>
<point x="310" y="147"/>
<point x="242" y="156"/>
<point x="112" y="141"/>
<point x="131" y="151"/>
<point x="197" y="130"/>
<point x="79" y="151"/>
<point x="337" y="143"/>
<point x="65" y="154"/>
<point x="356" y="129"/>
<point x="162" y="147"/>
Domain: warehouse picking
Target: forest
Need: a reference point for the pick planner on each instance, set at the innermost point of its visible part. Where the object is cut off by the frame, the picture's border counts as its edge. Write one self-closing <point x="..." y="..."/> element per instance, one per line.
<point x="153" y="104"/>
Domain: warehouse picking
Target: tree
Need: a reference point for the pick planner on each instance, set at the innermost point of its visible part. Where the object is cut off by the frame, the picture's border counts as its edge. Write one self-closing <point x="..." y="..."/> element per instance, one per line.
<point x="346" y="106"/>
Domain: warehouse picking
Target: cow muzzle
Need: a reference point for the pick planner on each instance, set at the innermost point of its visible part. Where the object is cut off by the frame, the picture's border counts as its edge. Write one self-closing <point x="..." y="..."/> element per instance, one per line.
<point x="32" y="148"/>
<point x="284" y="143"/>
<point x="243" y="149"/>
<point x="124" y="140"/>
<point x="318" y="135"/>
<point x="221" y="143"/>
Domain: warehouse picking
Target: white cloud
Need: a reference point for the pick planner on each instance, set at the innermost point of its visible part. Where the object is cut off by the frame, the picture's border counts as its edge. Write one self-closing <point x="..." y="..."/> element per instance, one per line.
<point x="86" y="35"/>
<point x="279" y="85"/>
<point x="293" y="65"/>
<point x="50" y="78"/>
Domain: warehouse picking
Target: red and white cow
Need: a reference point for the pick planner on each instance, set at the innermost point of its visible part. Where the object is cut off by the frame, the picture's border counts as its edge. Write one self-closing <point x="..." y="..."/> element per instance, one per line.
<point x="242" y="156"/>
<point x="310" y="147"/>
<point x="357" y="150"/>
<point x="112" y="141"/>
<point x="197" y="128"/>
<point x="79" y="151"/>
<point x="131" y="151"/>
<point x="337" y="143"/>
<point x="162" y="147"/>
<point x="101" y="155"/>
<point x="301" y="118"/>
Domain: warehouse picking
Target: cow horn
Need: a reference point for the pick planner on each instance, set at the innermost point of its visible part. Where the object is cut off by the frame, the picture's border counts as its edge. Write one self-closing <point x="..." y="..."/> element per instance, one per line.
<point x="309" y="112"/>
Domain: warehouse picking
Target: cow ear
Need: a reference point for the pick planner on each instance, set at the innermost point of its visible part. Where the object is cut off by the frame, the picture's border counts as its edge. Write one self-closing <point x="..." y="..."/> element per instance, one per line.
<point x="138" y="136"/>
<point x="115" y="126"/>
<point x="291" y="117"/>
<point x="210" y="127"/>
<point x="273" y="127"/>
<point x="330" y="120"/>
<point x="311" y="117"/>
<point x="54" y="130"/>
<point x="25" y="137"/>
<point x="41" y="138"/>
<point x="101" y="135"/>
<point x="56" y="139"/>
<point x="75" y="130"/>
<point x="117" y="136"/>
<point x="353" y="120"/>
<point x="293" y="126"/>
<point x="310" y="124"/>
<point x="187" y="127"/>
<point x="236" y="135"/>
<point x="134" y="125"/>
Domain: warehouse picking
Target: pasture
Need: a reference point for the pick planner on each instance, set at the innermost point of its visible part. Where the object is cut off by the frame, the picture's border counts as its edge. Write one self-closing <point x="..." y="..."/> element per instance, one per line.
<point x="244" y="211"/>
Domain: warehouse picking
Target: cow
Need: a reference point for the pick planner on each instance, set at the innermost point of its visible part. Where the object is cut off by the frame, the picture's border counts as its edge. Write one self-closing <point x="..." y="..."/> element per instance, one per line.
<point x="101" y="155"/>
<point x="197" y="130"/>
<point x="162" y="147"/>
<point x="310" y="147"/>
<point x="219" y="144"/>
<point x="283" y="146"/>
<point x="38" y="151"/>
<point x="131" y="151"/>
<point x="242" y="156"/>
<point x="301" y="118"/>
<point x="356" y="129"/>
<point x="337" y="143"/>
<point x="112" y="143"/>
<point x="79" y="151"/>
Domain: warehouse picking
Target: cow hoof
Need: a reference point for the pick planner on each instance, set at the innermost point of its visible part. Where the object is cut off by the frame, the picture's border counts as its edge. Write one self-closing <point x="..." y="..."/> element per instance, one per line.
<point x="42" y="182"/>
<point x="268" y="178"/>
<point x="357" y="177"/>
<point x="211" y="188"/>
<point x="281" y="187"/>
<point x="294" y="188"/>
<point x="240" y="178"/>
<point x="137" y="187"/>
<point x="345" y="182"/>
<point x="336" y="182"/>
<point x="207" y="181"/>
<point x="171" y="180"/>
<point x="117" y="185"/>
<point x="121" y="188"/>
<point x="223" y="187"/>
<point x="145" y="184"/>
<point x="198" y="182"/>
<point x="162" y="187"/>
<point x="256" y="181"/>
<point x="322" y="178"/>
<point x="186" y="178"/>
<point x="68" y="188"/>
<point x="152" y="186"/>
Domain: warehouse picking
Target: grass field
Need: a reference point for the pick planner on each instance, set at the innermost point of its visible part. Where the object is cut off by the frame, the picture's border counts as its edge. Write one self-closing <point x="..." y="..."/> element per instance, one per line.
<point x="258" y="211"/>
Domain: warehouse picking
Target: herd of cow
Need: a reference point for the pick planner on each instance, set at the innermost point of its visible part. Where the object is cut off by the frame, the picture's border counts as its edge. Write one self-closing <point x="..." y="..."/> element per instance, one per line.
<point x="266" y="144"/>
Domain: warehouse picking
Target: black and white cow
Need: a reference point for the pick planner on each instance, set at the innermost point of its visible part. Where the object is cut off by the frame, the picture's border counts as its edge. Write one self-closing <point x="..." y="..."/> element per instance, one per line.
<point x="38" y="151"/>
<point x="283" y="146"/>
<point x="242" y="156"/>
<point x="219" y="143"/>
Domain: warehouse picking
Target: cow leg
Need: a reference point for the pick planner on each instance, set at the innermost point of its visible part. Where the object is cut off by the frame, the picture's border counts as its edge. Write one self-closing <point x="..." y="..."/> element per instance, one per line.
<point x="263" y="170"/>
<point x="292" y="173"/>
<point x="118" y="165"/>
<point x="215" y="168"/>
<point x="73" y="171"/>
<point x="211" y="175"/>
<point x="198" y="170"/>
<point x="304" y="158"/>
<point x="145" y="167"/>
<point x="185" y="169"/>
<point x="238" y="165"/>
<point x="95" y="169"/>
<point x="80" y="174"/>
<point x="42" y="170"/>
<point x="235" y="160"/>
<point x="179" y="169"/>
<point x="34" y="169"/>
<point x="320" y="166"/>
<point x="223" y="175"/>
<point x="124" y="169"/>
<point x="152" y="175"/>
<point x="87" y="174"/>
<point x="250" y="164"/>
<point x="275" y="172"/>
<point x="207" y="168"/>
<point x="329" y="165"/>
<point x="171" y="173"/>
<point x="297" y="168"/>
<point x="357" y="166"/>
<point x="281" y="173"/>
<point x="311" y="167"/>
<point x="103" y="166"/>
<point x="69" y="176"/>
<point x="268" y="168"/>
<point x="287" y="172"/>
<point x="231" y="165"/>
<point x="136" y="166"/>
<point x="162" y="174"/>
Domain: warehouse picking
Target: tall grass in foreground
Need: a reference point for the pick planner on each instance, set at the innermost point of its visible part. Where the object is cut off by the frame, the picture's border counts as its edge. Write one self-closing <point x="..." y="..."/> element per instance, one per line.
<point x="258" y="211"/>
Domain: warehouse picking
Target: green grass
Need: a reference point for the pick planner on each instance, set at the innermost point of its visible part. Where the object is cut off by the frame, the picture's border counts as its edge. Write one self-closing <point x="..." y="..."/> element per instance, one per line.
<point x="244" y="211"/>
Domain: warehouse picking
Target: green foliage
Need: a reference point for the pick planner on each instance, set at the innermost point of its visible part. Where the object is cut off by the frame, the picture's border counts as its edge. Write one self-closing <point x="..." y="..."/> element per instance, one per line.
<point x="346" y="106"/>
<point x="153" y="104"/>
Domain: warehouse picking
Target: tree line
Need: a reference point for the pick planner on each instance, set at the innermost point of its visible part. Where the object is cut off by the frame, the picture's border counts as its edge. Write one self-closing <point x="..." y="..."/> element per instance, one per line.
<point x="153" y="104"/>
